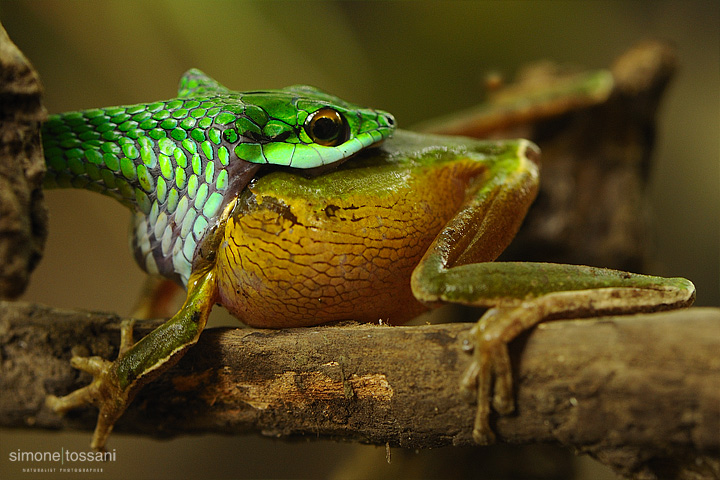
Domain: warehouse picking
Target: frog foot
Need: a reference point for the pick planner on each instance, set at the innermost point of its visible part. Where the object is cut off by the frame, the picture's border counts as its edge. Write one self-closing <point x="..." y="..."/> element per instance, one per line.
<point x="489" y="376"/>
<point x="104" y="391"/>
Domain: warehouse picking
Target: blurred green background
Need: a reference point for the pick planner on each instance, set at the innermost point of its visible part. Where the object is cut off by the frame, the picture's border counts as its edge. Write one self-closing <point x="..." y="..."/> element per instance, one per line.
<point x="415" y="59"/>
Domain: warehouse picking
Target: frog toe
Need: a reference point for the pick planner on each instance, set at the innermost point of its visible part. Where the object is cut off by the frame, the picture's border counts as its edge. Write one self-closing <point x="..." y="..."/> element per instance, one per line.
<point x="126" y="336"/>
<point x="60" y="405"/>
<point x="95" y="366"/>
<point x="489" y="376"/>
<point x="477" y="381"/>
<point x="91" y="394"/>
<point x="503" y="400"/>
<point x="103" y="392"/>
<point x="483" y="434"/>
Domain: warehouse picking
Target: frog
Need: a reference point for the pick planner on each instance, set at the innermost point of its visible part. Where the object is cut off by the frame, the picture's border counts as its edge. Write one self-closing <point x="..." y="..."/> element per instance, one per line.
<point x="368" y="223"/>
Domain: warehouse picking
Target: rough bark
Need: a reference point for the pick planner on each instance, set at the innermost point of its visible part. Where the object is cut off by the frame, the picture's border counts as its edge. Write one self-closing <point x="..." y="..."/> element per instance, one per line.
<point x="23" y="217"/>
<point x="639" y="393"/>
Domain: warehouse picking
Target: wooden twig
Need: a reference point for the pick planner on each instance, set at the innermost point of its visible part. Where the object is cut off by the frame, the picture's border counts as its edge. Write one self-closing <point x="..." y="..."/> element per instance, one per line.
<point x="639" y="393"/>
<point x="596" y="131"/>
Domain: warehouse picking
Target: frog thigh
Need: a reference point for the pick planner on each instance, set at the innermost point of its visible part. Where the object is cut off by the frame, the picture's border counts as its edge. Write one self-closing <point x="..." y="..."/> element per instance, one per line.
<point x="483" y="228"/>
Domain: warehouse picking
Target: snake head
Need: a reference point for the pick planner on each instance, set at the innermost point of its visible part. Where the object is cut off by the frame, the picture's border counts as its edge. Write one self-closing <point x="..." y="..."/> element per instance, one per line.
<point x="303" y="127"/>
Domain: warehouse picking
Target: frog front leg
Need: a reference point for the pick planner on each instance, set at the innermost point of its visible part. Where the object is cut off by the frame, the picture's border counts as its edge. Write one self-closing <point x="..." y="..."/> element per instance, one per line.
<point x="115" y="384"/>
<point x="458" y="268"/>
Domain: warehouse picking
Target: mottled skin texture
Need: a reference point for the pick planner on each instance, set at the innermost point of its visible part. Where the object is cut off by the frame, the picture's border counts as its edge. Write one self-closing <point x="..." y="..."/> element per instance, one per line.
<point x="301" y="252"/>
<point x="414" y="223"/>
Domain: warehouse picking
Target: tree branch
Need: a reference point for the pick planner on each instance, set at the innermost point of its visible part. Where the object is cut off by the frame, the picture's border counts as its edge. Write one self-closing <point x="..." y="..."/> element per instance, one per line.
<point x="639" y="393"/>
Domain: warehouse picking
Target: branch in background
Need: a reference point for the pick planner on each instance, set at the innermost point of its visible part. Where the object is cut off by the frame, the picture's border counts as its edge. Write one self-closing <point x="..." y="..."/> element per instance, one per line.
<point x="639" y="393"/>
<point x="596" y="131"/>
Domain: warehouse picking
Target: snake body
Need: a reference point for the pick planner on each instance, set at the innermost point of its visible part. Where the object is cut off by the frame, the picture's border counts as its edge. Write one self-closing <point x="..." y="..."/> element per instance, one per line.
<point x="177" y="163"/>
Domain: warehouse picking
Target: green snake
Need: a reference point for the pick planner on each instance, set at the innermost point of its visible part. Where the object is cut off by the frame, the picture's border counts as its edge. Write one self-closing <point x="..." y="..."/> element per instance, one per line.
<point x="177" y="163"/>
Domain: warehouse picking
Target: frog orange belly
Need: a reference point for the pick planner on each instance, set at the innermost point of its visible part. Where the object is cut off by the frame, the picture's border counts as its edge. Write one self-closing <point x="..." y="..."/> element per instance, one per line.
<point x="296" y="254"/>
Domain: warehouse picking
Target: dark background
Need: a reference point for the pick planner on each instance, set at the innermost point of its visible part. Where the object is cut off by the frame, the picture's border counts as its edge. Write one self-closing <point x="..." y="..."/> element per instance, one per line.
<point x="415" y="59"/>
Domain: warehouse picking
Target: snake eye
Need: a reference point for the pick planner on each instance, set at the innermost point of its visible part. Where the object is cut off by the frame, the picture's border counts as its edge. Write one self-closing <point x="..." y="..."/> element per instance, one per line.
<point x="327" y="127"/>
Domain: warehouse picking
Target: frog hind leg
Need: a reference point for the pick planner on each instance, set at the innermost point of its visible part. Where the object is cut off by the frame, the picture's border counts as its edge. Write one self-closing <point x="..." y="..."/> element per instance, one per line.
<point x="524" y="294"/>
<point x="458" y="268"/>
<point x="115" y="383"/>
<point x="567" y="291"/>
<point x="156" y="298"/>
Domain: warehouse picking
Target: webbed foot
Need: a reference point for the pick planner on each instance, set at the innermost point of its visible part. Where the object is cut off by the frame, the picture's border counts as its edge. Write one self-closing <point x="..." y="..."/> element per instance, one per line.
<point x="489" y="376"/>
<point x="115" y="383"/>
<point x="104" y="392"/>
